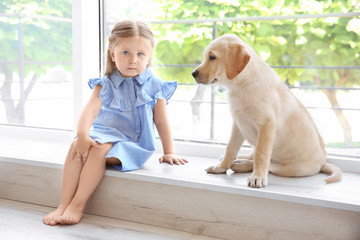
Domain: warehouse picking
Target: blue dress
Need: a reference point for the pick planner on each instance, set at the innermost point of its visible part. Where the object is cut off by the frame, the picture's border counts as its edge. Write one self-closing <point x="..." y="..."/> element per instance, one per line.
<point x="126" y="116"/>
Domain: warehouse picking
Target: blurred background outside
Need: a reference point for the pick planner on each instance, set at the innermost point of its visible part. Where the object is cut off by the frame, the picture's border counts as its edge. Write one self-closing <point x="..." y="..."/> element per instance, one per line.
<point x="314" y="46"/>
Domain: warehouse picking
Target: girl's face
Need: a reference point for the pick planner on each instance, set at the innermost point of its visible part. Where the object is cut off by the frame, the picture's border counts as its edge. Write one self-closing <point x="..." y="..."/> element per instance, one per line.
<point x="131" y="55"/>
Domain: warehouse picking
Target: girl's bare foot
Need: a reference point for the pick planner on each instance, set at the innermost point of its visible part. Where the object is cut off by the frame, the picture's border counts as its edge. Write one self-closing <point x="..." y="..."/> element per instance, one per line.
<point x="51" y="218"/>
<point x="70" y="216"/>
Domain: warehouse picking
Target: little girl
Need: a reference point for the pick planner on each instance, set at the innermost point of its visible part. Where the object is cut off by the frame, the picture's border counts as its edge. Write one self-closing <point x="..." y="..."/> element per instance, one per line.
<point x="117" y="124"/>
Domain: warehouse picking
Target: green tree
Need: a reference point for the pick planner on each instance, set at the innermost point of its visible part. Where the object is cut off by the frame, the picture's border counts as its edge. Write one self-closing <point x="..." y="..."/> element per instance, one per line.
<point x="30" y="45"/>
<point x="284" y="42"/>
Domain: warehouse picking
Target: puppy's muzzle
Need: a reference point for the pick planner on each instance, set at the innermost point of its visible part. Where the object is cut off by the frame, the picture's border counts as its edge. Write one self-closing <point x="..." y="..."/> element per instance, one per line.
<point x="200" y="79"/>
<point x="195" y="73"/>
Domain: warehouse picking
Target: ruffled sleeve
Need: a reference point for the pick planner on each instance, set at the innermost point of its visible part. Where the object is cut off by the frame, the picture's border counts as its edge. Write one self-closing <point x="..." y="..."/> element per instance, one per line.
<point x="167" y="89"/>
<point x="105" y="95"/>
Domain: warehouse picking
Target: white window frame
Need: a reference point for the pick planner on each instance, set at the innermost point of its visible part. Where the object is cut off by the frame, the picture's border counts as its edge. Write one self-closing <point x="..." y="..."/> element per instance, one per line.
<point x="86" y="49"/>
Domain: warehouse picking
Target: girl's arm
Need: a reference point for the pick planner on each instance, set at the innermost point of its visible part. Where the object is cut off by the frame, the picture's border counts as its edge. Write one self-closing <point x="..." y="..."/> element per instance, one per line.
<point x="86" y="119"/>
<point x="163" y="128"/>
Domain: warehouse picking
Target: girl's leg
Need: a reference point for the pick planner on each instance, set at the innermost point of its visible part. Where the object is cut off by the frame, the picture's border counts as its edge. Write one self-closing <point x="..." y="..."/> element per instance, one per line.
<point x="90" y="177"/>
<point x="70" y="181"/>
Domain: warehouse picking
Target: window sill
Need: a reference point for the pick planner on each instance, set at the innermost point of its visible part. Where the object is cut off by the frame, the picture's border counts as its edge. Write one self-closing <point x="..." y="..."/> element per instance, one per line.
<point x="313" y="191"/>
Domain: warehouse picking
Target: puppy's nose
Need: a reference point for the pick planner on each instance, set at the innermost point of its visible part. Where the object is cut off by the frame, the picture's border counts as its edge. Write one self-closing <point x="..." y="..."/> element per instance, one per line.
<point x="195" y="73"/>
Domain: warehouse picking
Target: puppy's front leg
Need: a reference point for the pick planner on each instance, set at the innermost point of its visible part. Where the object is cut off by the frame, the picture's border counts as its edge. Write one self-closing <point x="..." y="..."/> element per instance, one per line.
<point x="264" y="146"/>
<point x="232" y="149"/>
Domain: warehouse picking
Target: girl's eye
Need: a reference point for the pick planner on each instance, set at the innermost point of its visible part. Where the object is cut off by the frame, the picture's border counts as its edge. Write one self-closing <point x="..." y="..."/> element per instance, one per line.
<point x="125" y="52"/>
<point x="141" y="54"/>
<point x="212" y="57"/>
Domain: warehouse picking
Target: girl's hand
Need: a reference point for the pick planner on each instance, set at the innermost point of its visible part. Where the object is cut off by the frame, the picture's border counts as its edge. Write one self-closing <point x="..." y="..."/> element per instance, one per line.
<point x="172" y="159"/>
<point x="81" y="149"/>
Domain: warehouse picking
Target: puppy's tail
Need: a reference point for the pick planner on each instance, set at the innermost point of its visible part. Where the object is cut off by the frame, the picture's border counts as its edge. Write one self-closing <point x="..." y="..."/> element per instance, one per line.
<point x="334" y="172"/>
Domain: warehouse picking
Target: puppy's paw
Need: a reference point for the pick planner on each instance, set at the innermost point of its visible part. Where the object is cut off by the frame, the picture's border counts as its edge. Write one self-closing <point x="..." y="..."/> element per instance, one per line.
<point x="241" y="166"/>
<point x="257" y="181"/>
<point x="216" y="169"/>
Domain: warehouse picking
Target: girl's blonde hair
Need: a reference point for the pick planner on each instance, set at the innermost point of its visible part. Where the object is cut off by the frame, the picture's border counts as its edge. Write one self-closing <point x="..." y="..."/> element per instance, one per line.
<point x="126" y="28"/>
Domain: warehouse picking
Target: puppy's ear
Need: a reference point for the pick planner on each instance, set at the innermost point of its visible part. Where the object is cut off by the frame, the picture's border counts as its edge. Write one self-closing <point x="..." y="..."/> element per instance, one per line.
<point x="236" y="60"/>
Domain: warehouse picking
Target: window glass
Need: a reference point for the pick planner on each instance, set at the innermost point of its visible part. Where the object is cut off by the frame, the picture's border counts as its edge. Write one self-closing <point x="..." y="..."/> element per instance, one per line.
<point x="312" y="45"/>
<point x="36" y="63"/>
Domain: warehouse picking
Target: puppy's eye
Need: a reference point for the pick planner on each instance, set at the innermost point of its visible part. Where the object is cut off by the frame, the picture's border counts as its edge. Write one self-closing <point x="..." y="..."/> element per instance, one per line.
<point x="212" y="57"/>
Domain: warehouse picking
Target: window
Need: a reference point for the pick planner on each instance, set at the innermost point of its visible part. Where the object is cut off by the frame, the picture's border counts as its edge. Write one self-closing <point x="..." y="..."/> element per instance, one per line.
<point x="36" y="83"/>
<point x="313" y="46"/>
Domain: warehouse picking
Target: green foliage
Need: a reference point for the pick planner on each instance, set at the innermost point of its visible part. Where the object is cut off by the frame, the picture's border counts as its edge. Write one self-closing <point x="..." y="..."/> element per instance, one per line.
<point x="187" y="51"/>
<point x="289" y="42"/>
<point x="342" y="145"/>
<point x="44" y="41"/>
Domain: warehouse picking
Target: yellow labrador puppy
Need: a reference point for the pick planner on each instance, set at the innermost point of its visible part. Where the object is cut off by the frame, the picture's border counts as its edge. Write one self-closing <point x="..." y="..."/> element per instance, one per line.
<point x="284" y="137"/>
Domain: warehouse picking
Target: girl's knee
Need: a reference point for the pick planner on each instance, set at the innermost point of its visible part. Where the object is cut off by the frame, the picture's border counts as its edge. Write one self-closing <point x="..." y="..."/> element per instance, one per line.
<point x="101" y="150"/>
